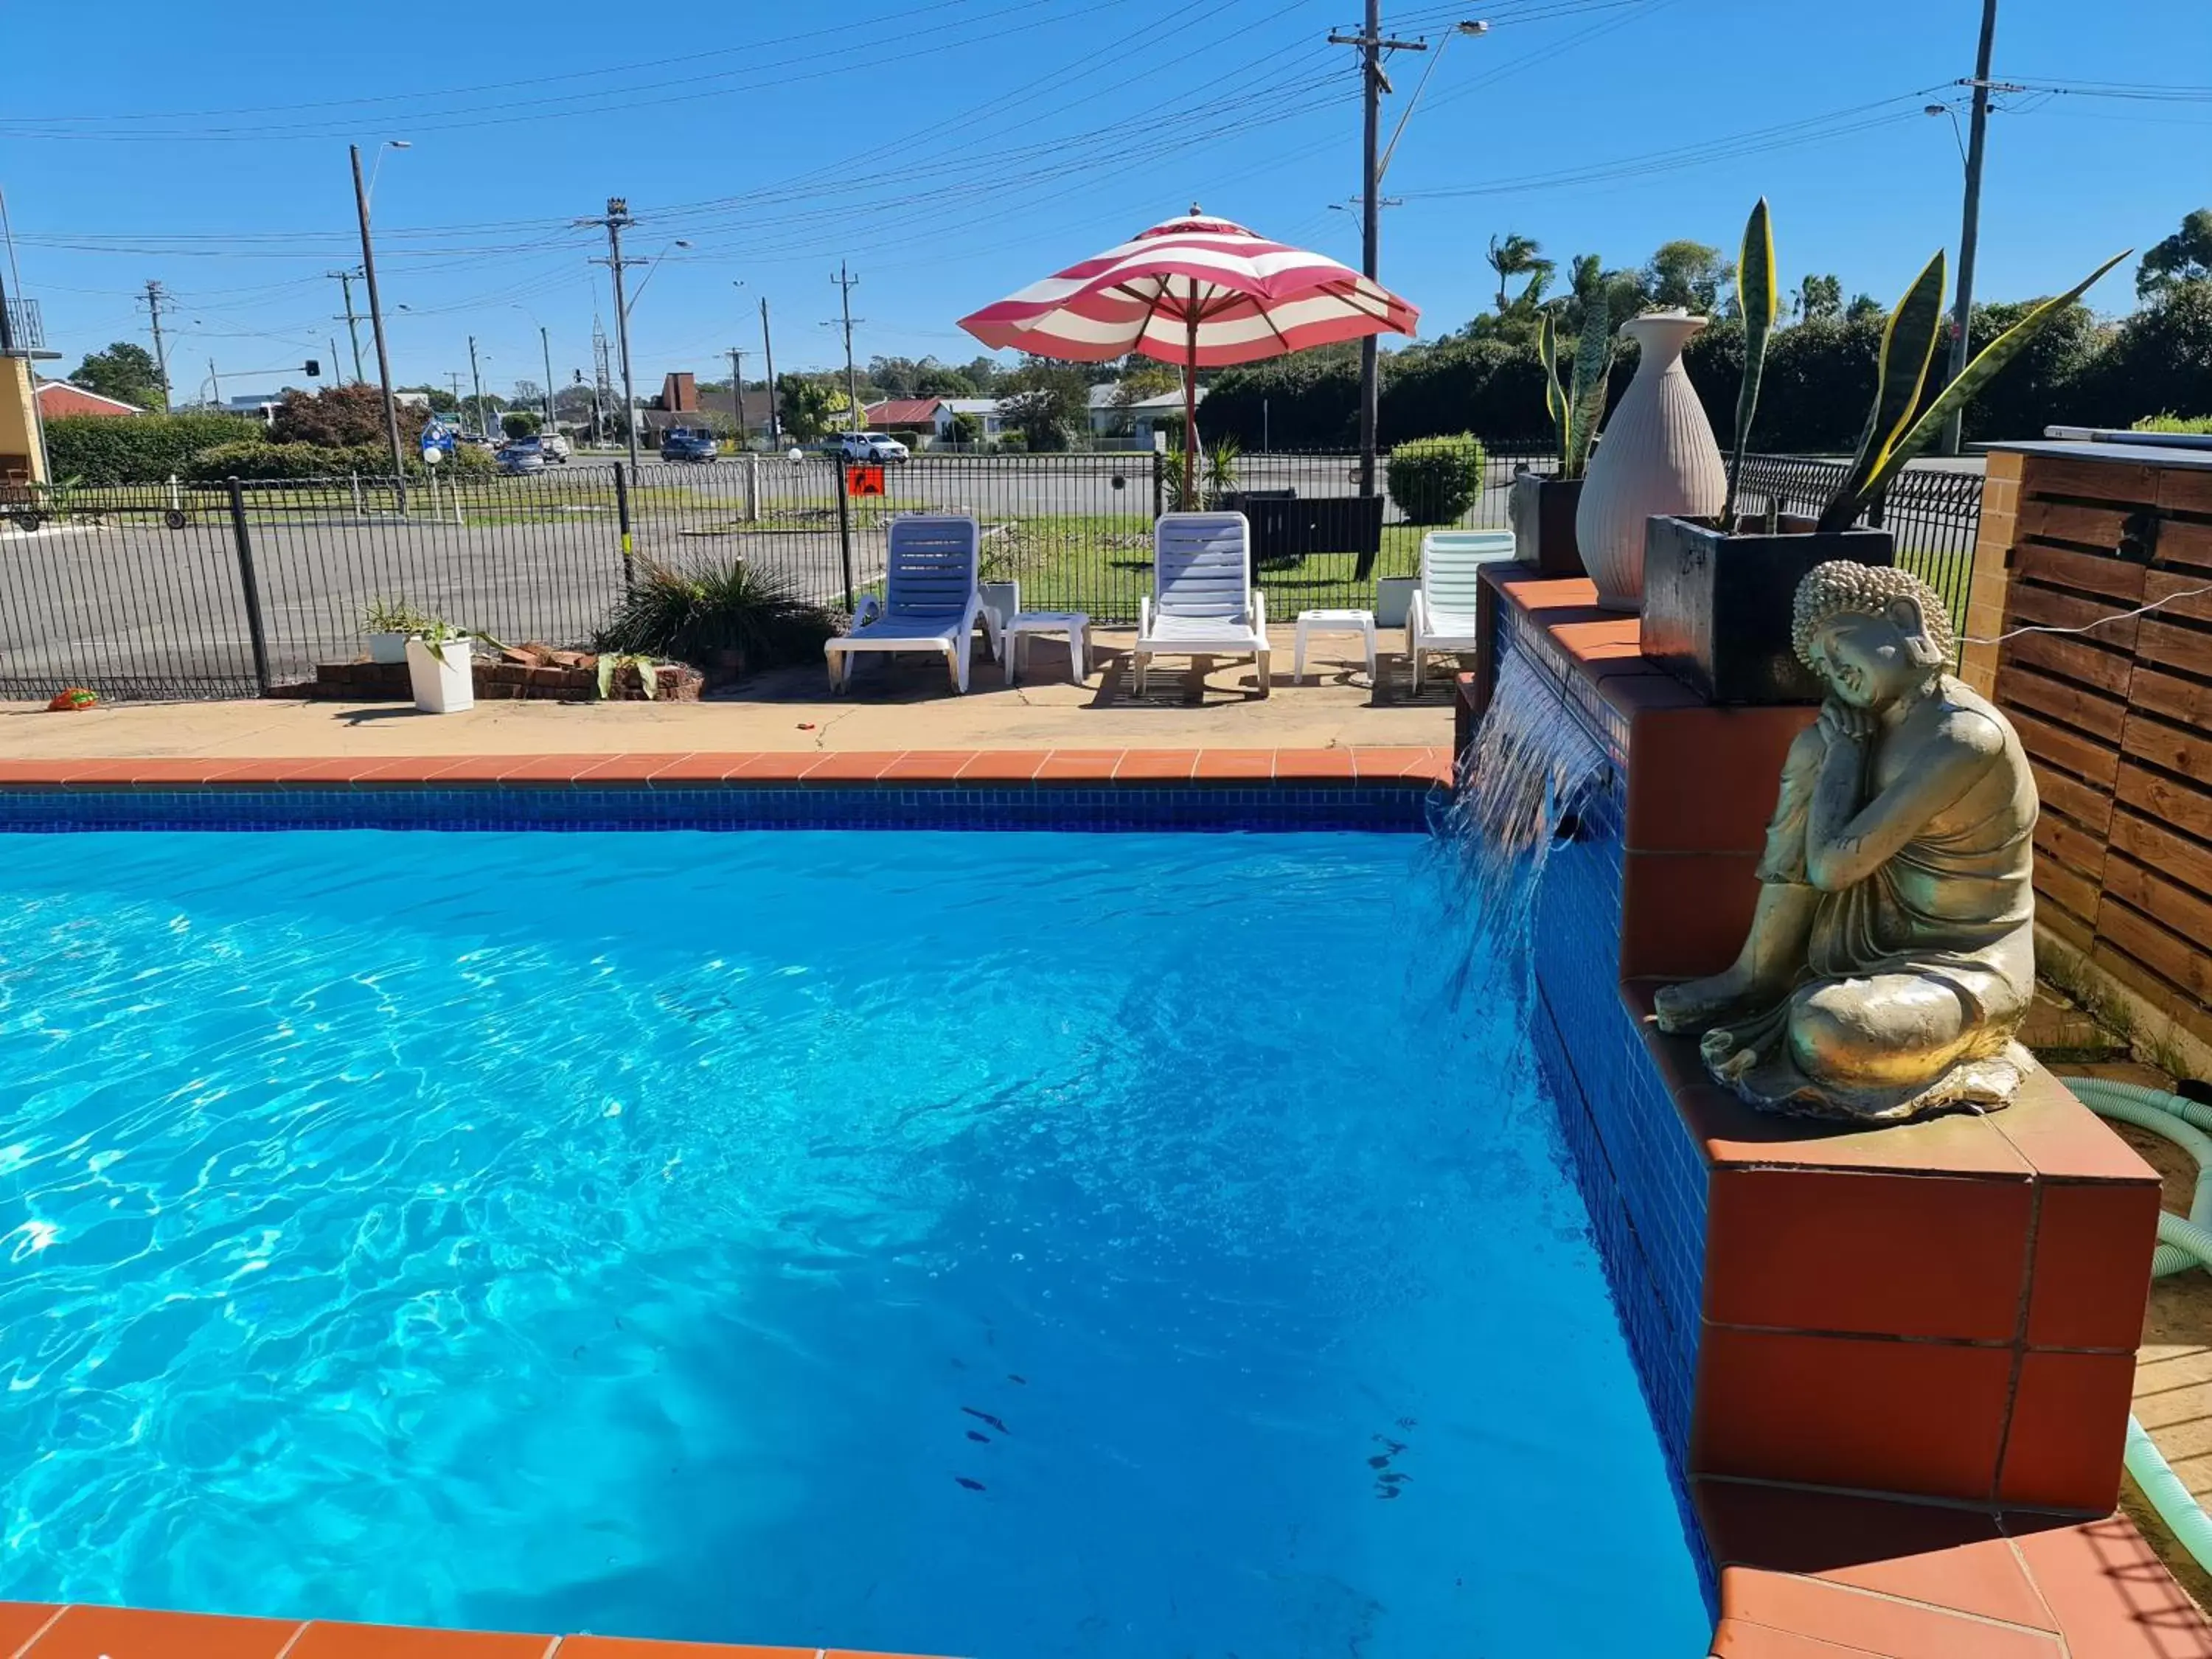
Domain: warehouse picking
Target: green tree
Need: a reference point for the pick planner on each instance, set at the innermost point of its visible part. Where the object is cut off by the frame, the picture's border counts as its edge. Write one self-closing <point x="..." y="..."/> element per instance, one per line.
<point x="442" y="401"/>
<point x="967" y="429"/>
<point x="806" y="408"/>
<point x="1864" y="305"/>
<point x="125" y="370"/>
<point x="985" y="372"/>
<point x="1687" y="274"/>
<point x="1049" y="401"/>
<point x="1516" y="255"/>
<point x="898" y="377"/>
<point x="937" y="380"/>
<point x="519" y="423"/>
<point x="1819" y="297"/>
<point x="2183" y="256"/>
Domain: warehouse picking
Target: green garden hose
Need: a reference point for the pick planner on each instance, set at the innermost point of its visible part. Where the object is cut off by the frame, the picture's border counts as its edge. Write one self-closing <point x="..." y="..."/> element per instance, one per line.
<point x="2182" y="1244"/>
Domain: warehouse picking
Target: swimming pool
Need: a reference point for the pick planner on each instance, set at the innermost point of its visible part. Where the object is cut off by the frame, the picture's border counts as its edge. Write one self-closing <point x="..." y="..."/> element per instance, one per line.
<point x="1010" y="1245"/>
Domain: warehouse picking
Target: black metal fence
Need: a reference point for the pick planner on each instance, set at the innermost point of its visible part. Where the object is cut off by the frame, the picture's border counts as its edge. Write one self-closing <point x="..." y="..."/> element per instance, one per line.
<point x="223" y="591"/>
<point x="1933" y="513"/>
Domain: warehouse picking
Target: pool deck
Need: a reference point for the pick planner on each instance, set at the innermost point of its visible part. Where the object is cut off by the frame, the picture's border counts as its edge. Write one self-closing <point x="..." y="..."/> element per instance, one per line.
<point x="897" y="706"/>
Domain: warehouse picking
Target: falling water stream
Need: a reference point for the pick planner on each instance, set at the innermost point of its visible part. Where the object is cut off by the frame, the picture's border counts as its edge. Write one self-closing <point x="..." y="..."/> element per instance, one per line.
<point x="1522" y="783"/>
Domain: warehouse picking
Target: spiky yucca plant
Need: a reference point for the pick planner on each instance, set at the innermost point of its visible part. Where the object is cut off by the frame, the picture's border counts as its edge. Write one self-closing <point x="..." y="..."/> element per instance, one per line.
<point x="1576" y="408"/>
<point x="1891" y="437"/>
<point x="1759" y="298"/>
<point x="692" y="615"/>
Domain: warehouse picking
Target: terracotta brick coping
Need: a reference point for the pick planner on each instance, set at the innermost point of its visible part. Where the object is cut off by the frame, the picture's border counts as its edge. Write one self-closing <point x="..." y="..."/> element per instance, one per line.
<point x="1411" y="767"/>
<point x="36" y="1631"/>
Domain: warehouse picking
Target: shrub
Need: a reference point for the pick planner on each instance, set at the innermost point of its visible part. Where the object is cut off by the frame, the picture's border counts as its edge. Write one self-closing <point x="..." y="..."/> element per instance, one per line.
<point x="341" y="416"/>
<point x="2186" y="423"/>
<point x="519" y="423"/>
<point x="1436" y="480"/>
<point x="698" y="614"/>
<point x="101" y="449"/>
<point x="257" y="458"/>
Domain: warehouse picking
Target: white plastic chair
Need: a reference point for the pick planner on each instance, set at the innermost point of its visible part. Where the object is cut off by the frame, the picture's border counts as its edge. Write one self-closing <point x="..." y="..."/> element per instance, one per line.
<point x="930" y="599"/>
<point x="1441" y="619"/>
<point x="1204" y="604"/>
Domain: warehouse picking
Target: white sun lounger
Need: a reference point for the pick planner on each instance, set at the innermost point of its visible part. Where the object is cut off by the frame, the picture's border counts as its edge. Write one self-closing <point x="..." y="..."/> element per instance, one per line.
<point x="930" y="603"/>
<point x="1203" y="603"/>
<point x="1442" y="617"/>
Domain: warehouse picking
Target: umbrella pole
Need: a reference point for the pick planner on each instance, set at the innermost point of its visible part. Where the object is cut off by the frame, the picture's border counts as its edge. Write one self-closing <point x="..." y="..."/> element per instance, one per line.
<point x="1190" y="410"/>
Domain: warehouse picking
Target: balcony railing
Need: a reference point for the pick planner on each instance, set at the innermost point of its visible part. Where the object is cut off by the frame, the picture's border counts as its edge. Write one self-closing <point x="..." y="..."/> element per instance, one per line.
<point x="25" y="331"/>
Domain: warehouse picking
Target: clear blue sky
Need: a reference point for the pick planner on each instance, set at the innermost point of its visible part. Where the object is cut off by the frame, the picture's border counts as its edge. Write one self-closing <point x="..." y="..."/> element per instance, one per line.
<point x="952" y="150"/>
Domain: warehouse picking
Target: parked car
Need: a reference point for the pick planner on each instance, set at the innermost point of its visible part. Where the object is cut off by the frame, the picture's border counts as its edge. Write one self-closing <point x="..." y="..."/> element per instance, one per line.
<point x="520" y="455"/>
<point x="681" y="443"/>
<point x="554" y="446"/>
<point x="870" y="447"/>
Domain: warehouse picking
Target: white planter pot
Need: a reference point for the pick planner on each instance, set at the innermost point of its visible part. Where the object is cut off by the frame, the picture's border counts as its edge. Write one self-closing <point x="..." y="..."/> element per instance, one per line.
<point x="1394" y="597"/>
<point x="442" y="687"/>
<point x="1656" y="456"/>
<point x="387" y="647"/>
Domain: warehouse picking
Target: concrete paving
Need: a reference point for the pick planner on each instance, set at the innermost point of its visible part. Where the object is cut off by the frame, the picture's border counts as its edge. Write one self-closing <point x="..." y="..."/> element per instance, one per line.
<point x="897" y="703"/>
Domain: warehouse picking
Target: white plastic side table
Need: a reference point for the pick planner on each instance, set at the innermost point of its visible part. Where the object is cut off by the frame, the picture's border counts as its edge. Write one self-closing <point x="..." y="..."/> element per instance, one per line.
<point x="1361" y="623"/>
<point x="1075" y="624"/>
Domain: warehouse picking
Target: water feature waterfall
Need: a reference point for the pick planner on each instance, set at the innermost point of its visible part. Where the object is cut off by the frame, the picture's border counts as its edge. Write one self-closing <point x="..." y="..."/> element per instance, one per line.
<point x="1521" y="782"/>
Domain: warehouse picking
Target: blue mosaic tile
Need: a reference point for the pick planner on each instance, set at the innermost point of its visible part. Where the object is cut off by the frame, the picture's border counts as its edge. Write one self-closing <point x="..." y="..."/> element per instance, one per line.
<point x="1393" y="807"/>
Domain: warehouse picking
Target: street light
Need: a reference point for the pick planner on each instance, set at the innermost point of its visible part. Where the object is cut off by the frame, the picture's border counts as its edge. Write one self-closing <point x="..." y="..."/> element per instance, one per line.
<point x="361" y="194"/>
<point x="655" y="261"/>
<point x="1471" y="27"/>
<point x="1957" y="137"/>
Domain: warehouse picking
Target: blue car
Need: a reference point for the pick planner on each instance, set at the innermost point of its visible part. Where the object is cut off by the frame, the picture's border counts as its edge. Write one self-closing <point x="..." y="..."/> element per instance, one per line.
<point x="687" y="444"/>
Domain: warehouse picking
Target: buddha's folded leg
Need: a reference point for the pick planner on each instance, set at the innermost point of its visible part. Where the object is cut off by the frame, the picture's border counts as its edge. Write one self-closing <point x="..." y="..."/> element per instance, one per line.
<point x="1897" y="1030"/>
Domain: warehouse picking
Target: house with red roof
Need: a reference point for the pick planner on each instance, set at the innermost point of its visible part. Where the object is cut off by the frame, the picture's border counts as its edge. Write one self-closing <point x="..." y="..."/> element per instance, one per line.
<point x="58" y="397"/>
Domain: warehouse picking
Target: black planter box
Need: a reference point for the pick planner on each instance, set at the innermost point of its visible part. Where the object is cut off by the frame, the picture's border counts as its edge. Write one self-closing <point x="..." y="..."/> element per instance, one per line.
<point x="1542" y="512"/>
<point x="1286" y="528"/>
<point x="1717" y="609"/>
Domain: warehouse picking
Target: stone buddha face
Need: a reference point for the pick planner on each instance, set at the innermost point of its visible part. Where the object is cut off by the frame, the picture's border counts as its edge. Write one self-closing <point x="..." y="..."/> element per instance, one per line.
<point x="1873" y="659"/>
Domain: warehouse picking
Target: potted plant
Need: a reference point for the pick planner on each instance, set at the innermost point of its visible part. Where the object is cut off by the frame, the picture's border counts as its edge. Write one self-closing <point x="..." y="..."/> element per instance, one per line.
<point x="1541" y="509"/>
<point x="388" y="623"/>
<point x="438" y="658"/>
<point x="1717" y="593"/>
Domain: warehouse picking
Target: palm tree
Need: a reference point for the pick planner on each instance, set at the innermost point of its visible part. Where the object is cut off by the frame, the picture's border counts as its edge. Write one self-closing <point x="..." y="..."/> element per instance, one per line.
<point x="1516" y="255"/>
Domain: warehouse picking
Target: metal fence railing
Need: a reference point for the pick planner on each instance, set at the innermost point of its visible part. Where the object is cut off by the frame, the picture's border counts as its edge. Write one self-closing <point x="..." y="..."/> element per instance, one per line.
<point x="1933" y="513"/>
<point x="229" y="590"/>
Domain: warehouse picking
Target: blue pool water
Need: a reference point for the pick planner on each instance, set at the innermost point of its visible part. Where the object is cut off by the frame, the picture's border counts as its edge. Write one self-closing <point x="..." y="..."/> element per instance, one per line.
<point x="1006" y="1245"/>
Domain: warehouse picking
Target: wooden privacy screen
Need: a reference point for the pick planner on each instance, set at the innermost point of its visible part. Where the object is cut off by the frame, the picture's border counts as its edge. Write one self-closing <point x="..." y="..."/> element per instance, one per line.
<point x="2119" y="722"/>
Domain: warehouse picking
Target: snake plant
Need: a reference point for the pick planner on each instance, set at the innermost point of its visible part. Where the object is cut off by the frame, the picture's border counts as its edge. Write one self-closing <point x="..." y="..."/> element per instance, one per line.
<point x="1757" y="298"/>
<point x="1576" y="408"/>
<point x="1892" y="437"/>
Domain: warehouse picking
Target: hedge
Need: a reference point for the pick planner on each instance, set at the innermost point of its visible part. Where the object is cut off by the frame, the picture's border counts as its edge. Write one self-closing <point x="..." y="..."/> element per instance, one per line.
<point x="1436" y="480"/>
<point x="1819" y="381"/>
<point x="290" y="463"/>
<point x="103" y="449"/>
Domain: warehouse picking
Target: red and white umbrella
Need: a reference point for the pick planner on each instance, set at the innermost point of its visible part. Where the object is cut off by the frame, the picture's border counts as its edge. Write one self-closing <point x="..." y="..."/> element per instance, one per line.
<point x="1196" y="291"/>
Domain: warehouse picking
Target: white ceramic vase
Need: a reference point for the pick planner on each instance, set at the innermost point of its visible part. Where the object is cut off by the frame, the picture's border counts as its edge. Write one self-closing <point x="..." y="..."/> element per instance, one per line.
<point x="1655" y="456"/>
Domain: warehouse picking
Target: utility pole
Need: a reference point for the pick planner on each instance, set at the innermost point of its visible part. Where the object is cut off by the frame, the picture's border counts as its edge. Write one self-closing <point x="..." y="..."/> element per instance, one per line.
<point x="767" y="354"/>
<point x="376" y="326"/>
<point x="353" y="322"/>
<point x="845" y="285"/>
<point x="155" y="295"/>
<point x="738" y="389"/>
<point x="1374" y="83"/>
<point x="545" y="347"/>
<point x="337" y="374"/>
<point x="616" y="221"/>
<point x="215" y="384"/>
<point x="1969" y="230"/>
<point x="476" y="380"/>
<point x="453" y="378"/>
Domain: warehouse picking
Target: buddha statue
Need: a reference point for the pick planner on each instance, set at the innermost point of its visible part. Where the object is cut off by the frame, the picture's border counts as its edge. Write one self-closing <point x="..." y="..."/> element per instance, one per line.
<point x="1892" y="955"/>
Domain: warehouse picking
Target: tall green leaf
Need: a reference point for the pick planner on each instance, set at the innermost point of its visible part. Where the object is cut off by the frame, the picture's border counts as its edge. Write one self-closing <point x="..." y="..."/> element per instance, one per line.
<point x="1986" y="365"/>
<point x="1592" y="369"/>
<point x="1908" y="344"/>
<point x="1758" y="299"/>
<point x="1555" y="397"/>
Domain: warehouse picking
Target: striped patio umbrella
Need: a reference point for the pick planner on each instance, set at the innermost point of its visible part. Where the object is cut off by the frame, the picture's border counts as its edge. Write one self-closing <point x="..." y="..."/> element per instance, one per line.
<point x="1200" y="292"/>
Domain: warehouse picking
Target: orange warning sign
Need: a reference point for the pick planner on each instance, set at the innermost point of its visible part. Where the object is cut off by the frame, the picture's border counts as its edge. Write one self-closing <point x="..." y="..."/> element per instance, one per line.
<point x="864" y="481"/>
